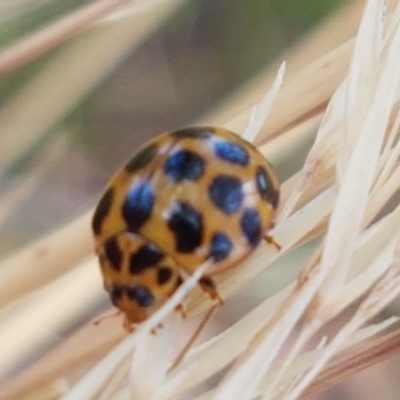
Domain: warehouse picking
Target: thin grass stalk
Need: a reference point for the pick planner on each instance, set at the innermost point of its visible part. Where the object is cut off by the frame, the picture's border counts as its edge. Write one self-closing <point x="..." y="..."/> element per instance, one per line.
<point x="37" y="44"/>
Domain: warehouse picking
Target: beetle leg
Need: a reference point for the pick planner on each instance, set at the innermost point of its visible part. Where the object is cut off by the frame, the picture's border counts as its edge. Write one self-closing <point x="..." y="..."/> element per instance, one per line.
<point x="209" y="286"/>
<point x="271" y="240"/>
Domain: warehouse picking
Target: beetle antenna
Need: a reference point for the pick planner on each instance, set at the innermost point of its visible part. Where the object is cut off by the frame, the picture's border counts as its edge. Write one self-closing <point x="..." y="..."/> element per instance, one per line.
<point x="106" y="316"/>
<point x="194" y="336"/>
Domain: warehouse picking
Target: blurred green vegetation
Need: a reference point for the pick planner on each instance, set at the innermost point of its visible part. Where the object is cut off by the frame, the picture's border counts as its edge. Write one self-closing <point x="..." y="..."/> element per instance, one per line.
<point x="28" y="21"/>
<point x="33" y="17"/>
<point x="238" y="38"/>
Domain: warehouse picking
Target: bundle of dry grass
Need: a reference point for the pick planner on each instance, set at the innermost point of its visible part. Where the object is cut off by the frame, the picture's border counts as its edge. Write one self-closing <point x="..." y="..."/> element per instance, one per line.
<point x="279" y="349"/>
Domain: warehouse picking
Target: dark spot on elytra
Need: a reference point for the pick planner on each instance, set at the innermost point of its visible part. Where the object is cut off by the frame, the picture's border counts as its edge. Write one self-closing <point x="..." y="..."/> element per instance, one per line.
<point x="184" y="165"/>
<point x="141" y="295"/>
<point x="142" y="159"/>
<point x="179" y="281"/>
<point x="231" y="152"/>
<point x="266" y="188"/>
<point x="221" y="246"/>
<point x="138" y="205"/>
<point x="102" y="211"/>
<point x="194" y="133"/>
<point x="164" y="274"/>
<point x="113" y="253"/>
<point x="251" y="226"/>
<point x="146" y="256"/>
<point x="186" y="224"/>
<point x="226" y="193"/>
<point x="116" y="294"/>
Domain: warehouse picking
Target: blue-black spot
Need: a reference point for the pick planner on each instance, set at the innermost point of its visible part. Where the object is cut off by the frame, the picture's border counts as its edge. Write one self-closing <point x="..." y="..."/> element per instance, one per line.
<point x="145" y="257"/>
<point x="266" y="188"/>
<point x="138" y="205"/>
<point x="226" y="193"/>
<point x="194" y="133"/>
<point x="164" y="274"/>
<point x="186" y="224"/>
<point x="221" y="246"/>
<point x="251" y="226"/>
<point x="231" y="152"/>
<point x="102" y="210"/>
<point x="141" y="295"/>
<point x="142" y="159"/>
<point x="184" y="165"/>
<point x="116" y="294"/>
<point x="113" y="253"/>
<point x="179" y="282"/>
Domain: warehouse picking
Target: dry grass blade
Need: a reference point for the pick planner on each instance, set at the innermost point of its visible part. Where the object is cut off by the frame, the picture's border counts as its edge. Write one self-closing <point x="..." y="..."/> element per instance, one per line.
<point x="261" y="110"/>
<point x="40" y="43"/>
<point x="305" y="361"/>
<point x="38" y="320"/>
<point x="382" y="294"/>
<point x="360" y="357"/>
<point x="358" y="178"/>
<point x="362" y="72"/>
<point x="93" y="381"/>
<point x="341" y="238"/>
<point x="81" y="350"/>
<point x="45" y="260"/>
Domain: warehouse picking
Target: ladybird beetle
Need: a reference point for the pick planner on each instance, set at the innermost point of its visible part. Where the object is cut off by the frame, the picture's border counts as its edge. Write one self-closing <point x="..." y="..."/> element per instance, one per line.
<point x="186" y="197"/>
